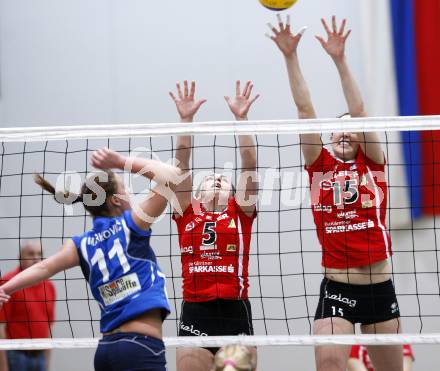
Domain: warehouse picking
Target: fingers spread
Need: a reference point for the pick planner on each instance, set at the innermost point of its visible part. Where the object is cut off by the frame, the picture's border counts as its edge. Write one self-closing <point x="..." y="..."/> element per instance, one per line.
<point x="342" y="28"/>
<point x="193" y="89"/>
<point x="272" y="28"/>
<point x="269" y="37"/>
<point x="172" y="96"/>
<point x="246" y="88"/>
<point x="324" y="23"/>
<point x="302" y="30"/>
<point x="200" y="102"/>
<point x="249" y="87"/>
<point x="347" y="34"/>
<point x="280" y="22"/>
<point x="237" y="88"/>
<point x="334" y="24"/>
<point x="185" y="86"/>
<point x="179" y="91"/>
<point x="320" y="39"/>
<point x="254" y="98"/>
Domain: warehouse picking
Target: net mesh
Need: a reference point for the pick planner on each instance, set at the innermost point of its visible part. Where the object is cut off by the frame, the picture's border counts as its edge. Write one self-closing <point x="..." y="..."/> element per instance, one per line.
<point x="285" y="255"/>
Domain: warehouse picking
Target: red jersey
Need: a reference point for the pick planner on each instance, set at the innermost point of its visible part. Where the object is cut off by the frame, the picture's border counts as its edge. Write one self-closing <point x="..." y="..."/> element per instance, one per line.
<point x="360" y="352"/>
<point x="30" y="312"/>
<point x="349" y="201"/>
<point x="214" y="249"/>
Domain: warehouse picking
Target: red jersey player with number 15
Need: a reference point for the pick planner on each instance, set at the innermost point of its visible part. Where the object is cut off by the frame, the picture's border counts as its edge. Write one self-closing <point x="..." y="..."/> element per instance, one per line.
<point x="214" y="236"/>
<point x="348" y="195"/>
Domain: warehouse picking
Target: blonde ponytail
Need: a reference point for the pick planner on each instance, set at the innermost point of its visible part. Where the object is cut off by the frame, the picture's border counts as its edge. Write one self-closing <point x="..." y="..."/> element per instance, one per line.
<point x="233" y="358"/>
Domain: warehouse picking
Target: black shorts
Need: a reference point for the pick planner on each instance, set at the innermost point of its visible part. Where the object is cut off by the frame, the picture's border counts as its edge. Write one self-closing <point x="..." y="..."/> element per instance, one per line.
<point x="364" y="304"/>
<point x="218" y="317"/>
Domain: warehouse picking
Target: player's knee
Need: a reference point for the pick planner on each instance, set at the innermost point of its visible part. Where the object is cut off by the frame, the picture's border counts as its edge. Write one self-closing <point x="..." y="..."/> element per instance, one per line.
<point x="331" y="361"/>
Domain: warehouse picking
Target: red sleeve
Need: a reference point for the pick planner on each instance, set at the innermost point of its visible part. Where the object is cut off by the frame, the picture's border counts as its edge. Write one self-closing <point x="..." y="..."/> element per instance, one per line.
<point x="325" y="162"/>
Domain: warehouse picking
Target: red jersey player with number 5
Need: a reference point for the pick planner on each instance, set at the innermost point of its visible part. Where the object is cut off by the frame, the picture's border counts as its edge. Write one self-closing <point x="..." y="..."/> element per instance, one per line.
<point x="214" y="235"/>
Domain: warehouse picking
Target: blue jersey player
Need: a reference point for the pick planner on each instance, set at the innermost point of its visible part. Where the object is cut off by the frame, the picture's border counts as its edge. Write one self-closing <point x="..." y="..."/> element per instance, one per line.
<point x="117" y="261"/>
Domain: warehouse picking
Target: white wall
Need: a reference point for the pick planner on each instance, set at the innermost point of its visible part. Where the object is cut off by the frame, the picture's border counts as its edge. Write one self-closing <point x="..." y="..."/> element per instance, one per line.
<point x="83" y="62"/>
<point x="79" y="62"/>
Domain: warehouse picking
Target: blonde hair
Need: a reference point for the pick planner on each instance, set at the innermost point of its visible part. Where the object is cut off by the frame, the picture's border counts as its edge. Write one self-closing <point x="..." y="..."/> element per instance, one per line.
<point x="233" y="358"/>
<point x="199" y="187"/>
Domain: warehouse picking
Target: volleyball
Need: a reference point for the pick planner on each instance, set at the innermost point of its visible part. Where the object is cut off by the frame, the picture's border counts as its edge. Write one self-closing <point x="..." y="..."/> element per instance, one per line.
<point x="277" y="5"/>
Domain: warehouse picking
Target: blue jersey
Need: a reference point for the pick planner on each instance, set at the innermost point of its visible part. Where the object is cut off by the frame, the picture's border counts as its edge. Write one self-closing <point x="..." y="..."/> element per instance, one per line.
<point x="121" y="268"/>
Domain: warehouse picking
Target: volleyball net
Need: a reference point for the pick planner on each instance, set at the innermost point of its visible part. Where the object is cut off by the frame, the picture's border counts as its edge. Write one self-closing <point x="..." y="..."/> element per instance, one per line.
<point x="285" y="255"/>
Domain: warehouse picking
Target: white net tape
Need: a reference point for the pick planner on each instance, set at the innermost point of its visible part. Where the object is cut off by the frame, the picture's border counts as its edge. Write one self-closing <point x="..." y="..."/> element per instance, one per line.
<point x="397" y="123"/>
<point x="218" y="341"/>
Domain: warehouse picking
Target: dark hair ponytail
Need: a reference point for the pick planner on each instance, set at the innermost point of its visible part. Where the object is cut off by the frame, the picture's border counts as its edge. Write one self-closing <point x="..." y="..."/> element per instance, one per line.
<point x="105" y="180"/>
<point x="65" y="198"/>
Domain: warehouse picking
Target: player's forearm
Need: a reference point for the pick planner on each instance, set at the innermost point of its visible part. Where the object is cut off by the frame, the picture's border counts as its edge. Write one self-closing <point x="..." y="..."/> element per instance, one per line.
<point x="29" y="277"/>
<point x="351" y="90"/>
<point x="370" y="140"/>
<point x="183" y="152"/>
<point x="183" y="148"/>
<point x="248" y="152"/>
<point x="155" y="170"/>
<point x="299" y="88"/>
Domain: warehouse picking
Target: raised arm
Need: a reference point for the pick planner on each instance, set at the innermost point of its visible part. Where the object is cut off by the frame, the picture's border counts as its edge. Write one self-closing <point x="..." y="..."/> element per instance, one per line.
<point x="187" y="107"/>
<point x="166" y="176"/>
<point x="66" y="258"/>
<point x="335" y="48"/>
<point x="247" y="186"/>
<point x="287" y="42"/>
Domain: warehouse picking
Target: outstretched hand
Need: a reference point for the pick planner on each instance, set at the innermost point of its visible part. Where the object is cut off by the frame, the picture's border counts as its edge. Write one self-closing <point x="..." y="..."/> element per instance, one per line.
<point x="242" y="102"/>
<point x="186" y="105"/>
<point x="335" y="44"/>
<point x="286" y="41"/>
<point x="106" y="158"/>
